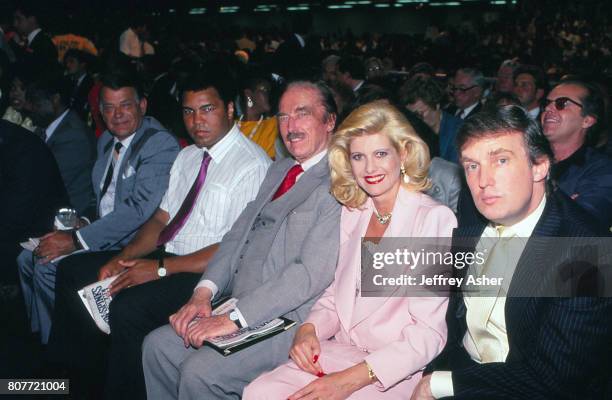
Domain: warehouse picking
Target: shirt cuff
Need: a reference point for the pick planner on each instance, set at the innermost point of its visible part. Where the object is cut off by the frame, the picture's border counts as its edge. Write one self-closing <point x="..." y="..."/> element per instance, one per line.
<point x="241" y="318"/>
<point x="441" y="384"/>
<point x="210" y="285"/>
<point x="83" y="243"/>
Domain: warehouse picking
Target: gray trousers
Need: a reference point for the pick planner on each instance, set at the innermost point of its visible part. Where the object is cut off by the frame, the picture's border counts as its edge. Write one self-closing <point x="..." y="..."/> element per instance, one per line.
<point x="174" y="372"/>
<point x="38" y="285"/>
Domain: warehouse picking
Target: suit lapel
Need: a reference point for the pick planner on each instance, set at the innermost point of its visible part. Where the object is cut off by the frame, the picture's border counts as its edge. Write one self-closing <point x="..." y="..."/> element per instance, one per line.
<point x="65" y="123"/>
<point x="346" y="279"/>
<point x="401" y="226"/>
<point x="125" y="161"/>
<point x="302" y="189"/>
<point x="534" y="261"/>
<point x="98" y="172"/>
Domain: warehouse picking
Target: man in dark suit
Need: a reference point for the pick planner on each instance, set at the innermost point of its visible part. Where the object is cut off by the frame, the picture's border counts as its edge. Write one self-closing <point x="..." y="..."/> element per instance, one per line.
<point x="31" y="190"/>
<point x="351" y="72"/>
<point x="70" y="140"/>
<point x="467" y="91"/>
<point x="298" y="55"/>
<point x="77" y="63"/>
<point x="37" y="52"/>
<point x="520" y="344"/>
<point x="572" y="120"/>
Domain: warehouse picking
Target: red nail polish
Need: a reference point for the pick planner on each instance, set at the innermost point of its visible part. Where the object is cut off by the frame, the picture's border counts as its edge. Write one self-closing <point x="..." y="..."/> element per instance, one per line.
<point x="320" y="374"/>
<point x="315" y="358"/>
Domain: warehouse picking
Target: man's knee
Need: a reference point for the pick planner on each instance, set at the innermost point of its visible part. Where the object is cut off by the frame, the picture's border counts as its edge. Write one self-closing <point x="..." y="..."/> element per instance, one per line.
<point x="25" y="263"/>
<point x="198" y="371"/>
<point x="125" y="308"/>
<point x="44" y="276"/>
<point x="155" y="342"/>
<point x="208" y="369"/>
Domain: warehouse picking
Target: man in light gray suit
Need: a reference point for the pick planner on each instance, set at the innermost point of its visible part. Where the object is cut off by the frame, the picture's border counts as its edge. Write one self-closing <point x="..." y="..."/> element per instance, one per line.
<point x="128" y="184"/>
<point x="277" y="259"/>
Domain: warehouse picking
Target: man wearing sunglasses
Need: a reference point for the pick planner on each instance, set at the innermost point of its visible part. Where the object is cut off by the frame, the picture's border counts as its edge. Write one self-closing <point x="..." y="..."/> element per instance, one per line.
<point x="573" y="113"/>
<point x="467" y="92"/>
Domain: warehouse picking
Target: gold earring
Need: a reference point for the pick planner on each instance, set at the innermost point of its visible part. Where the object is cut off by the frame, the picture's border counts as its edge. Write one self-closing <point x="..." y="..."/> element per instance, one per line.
<point x="405" y="176"/>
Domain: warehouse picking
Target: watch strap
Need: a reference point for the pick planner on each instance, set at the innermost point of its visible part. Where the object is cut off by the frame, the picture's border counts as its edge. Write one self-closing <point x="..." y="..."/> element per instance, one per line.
<point x="75" y="241"/>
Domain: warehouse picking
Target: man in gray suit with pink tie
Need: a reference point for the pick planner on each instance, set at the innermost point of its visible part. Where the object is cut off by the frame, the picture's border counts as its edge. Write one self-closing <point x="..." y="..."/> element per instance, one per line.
<point x="277" y="259"/>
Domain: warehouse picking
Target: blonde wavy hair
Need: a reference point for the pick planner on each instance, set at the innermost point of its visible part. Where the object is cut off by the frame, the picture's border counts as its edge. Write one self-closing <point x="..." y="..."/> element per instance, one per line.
<point x="369" y="119"/>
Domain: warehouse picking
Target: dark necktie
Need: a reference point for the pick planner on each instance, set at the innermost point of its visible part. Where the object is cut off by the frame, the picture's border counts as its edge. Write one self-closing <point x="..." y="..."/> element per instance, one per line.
<point x="111" y="168"/>
<point x="289" y="181"/>
<point x="170" y="230"/>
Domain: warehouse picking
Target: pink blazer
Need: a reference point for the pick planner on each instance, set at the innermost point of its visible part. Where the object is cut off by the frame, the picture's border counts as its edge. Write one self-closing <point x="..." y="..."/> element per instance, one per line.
<point x="402" y="335"/>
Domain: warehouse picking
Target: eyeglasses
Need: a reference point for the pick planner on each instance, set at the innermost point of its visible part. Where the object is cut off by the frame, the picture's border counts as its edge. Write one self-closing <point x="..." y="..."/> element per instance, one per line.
<point x="561" y="103"/>
<point x="301" y="114"/>
<point x="462" y="90"/>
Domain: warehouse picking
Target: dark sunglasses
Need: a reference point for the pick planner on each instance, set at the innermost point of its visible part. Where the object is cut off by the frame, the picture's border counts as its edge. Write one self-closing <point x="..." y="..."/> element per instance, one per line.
<point x="561" y="103"/>
<point x="462" y="90"/>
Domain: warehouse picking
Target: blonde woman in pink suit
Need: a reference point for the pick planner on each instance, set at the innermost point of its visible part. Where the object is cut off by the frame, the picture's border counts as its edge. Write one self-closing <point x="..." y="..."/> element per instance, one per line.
<point x="354" y="347"/>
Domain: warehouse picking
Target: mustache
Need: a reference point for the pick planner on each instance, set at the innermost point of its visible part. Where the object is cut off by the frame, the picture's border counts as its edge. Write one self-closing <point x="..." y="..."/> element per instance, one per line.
<point x="295" y="135"/>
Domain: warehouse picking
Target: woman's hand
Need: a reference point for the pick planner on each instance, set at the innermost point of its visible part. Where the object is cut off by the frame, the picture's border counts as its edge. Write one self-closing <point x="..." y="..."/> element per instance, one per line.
<point x="335" y="386"/>
<point x="306" y="349"/>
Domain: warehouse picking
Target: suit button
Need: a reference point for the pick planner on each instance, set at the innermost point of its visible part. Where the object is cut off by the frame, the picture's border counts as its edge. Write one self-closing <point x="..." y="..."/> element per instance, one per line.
<point x="247" y="242"/>
<point x="241" y="256"/>
<point x="263" y="223"/>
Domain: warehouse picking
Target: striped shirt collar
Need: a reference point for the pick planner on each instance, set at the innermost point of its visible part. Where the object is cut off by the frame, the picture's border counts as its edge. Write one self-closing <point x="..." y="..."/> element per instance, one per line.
<point x="220" y="149"/>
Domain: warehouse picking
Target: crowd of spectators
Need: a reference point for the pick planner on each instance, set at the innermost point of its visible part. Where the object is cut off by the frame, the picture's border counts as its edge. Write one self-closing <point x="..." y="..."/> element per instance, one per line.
<point x="80" y="87"/>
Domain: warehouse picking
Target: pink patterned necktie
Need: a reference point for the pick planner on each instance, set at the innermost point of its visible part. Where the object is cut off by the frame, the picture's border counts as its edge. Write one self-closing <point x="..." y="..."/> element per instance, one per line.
<point x="179" y="220"/>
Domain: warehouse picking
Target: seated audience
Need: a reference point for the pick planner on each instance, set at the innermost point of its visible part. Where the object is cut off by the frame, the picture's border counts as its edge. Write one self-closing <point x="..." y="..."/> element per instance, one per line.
<point x="255" y="121"/>
<point x="424" y="97"/>
<point x="276" y="261"/>
<point x="211" y="182"/>
<point x="530" y="86"/>
<point x="15" y="112"/>
<point x="351" y="72"/>
<point x="368" y="347"/>
<point x="31" y="191"/>
<point x="70" y="140"/>
<point x="571" y="121"/>
<point x="77" y="64"/>
<point x="129" y="177"/>
<point x="467" y="91"/>
<point x="505" y="77"/>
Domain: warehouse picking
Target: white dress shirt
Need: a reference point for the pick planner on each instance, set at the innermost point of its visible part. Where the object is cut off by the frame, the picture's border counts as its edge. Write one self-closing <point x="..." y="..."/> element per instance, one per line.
<point x="441" y="383"/>
<point x="107" y="202"/>
<point x="534" y="113"/>
<point x="32" y="35"/>
<point x="306" y="165"/>
<point x="53" y="125"/>
<point x="236" y="170"/>
<point x="466" y="111"/>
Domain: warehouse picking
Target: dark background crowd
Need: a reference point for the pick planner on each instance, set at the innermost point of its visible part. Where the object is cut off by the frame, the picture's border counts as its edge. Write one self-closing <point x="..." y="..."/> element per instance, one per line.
<point x="79" y="42"/>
